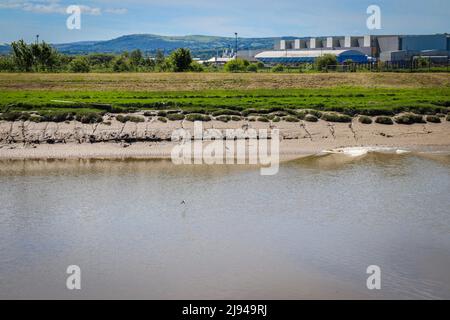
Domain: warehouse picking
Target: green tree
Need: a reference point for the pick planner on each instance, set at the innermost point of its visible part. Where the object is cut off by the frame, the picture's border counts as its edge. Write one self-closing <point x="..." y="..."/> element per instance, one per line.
<point x="45" y="57"/>
<point x="159" y="57"/>
<point x="136" y="58"/>
<point x="181" y="60"/>
<point x="196" y="67"/>
<point x="326" y="61"/>
<point x="149" y="63"/>
<point x="80" y="65"/>
<point x="236" y="65"/>
<point x="121" y="64"/>
<point x="6" y="63"/>
<point x="23" y="56"/>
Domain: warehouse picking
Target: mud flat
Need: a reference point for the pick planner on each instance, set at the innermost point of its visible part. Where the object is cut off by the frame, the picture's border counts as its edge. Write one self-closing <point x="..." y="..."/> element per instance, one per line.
<point x="47" y="140"/>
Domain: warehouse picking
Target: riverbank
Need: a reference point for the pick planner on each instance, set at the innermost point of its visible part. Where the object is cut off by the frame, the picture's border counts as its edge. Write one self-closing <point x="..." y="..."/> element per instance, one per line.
<point x="152" y="140"/>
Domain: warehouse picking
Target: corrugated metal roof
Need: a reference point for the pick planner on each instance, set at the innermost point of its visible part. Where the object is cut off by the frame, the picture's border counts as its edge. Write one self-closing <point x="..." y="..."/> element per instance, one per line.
<point x="306" y="53"/>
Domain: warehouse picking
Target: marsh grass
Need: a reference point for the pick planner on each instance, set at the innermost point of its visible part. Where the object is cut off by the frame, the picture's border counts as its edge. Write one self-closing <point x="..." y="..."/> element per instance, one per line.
<point x="384" y="120"/>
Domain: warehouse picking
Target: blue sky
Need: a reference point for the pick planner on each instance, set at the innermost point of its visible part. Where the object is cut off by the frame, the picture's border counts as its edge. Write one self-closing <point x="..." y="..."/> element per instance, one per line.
<point x="106" y="19"/>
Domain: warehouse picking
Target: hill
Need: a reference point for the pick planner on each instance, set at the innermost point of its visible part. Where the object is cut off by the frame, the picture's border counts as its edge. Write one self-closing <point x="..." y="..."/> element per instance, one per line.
<point x="201" y="46"/>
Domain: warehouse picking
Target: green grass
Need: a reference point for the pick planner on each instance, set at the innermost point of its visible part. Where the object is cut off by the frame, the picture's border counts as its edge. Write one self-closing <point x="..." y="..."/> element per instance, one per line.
<point x="351" y="101"/>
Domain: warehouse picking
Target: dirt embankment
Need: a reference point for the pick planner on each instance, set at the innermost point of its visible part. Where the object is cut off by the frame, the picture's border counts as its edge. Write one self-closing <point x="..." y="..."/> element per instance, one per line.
<point x="153" y="139"/>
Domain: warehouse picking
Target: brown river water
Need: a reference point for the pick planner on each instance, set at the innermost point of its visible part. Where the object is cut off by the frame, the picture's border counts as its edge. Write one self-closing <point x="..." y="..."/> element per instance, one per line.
<point x="153" y="230"/>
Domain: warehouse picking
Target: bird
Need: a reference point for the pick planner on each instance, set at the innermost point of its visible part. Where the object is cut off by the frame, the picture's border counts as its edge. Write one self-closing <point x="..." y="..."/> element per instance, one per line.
<point x="183" y="202"/>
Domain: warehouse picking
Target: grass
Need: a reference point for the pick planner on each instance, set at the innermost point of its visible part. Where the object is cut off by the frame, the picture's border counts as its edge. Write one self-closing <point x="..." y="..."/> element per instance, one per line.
<point x="263" y="94"/>
<point x="365" y="120"/>
<point x="384" y="120"/>
<point x="409" y="119"/>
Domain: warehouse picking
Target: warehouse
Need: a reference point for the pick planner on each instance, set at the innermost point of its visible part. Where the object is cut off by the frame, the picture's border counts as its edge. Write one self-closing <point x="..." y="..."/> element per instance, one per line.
<point x="309" y="56"/>
<point x="359" y="49"/>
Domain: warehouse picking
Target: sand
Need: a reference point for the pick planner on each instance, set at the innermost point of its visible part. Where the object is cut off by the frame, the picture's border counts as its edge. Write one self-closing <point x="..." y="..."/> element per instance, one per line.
<point x="152" y="139"/>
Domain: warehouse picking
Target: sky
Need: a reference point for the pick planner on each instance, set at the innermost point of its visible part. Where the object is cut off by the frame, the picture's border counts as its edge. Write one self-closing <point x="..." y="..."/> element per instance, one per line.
<point x="107" y="19"/>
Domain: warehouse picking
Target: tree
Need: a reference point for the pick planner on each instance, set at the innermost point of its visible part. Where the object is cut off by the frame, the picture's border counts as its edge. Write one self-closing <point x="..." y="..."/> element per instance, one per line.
<point x="45" y="57"/>
<point x="136" y="58"/>
<point x="197" y="67"/>
<point x="121" y="64"/>
<point x="236" y="65"/>
<point x="181" y="60"/>
<point x="159" y="57"/>
<point x="326" y="61"/>
<point x="23" y="56"/>
<point x="6" y="63"/>
<point x="80" y="65"/>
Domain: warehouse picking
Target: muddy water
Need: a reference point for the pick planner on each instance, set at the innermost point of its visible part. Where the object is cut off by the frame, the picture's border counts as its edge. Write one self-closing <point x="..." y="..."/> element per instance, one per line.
<point x="148" y="229"/>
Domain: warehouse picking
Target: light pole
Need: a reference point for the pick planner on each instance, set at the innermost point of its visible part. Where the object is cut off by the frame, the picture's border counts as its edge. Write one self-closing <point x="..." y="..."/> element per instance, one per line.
<point x="37" y="39"/>
<point x="236" y="47"/>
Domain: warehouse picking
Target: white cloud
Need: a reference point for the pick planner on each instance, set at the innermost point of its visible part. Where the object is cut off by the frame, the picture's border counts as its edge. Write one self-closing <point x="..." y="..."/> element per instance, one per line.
<point x="54" y="6"/>
<point x="116" y="11"/>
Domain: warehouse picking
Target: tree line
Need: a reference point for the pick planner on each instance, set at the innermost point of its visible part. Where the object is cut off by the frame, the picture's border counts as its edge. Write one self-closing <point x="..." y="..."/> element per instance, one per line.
<point x="42" y="57"/>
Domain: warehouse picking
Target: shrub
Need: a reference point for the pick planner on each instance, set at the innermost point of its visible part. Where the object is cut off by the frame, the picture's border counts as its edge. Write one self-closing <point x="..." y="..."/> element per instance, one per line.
<point x="236" y="118"/>
<point x="384" y="120"/>
<point x="409" y="119"/>
<point x="162" y="114"/>
<point x="35" y="118"/>
<point x="311" y="118"/>
<point x="162" y="119"/>
<point x="433" y="119"/>
<point x="196" y="67"/>
<point x="326" y="61"/>
<point x="223" y="118"/>
<point x="365" y="120"/>
<point x="278" y="68"/>
<point x="236" y="65"/>
<point x="335" y="117"/>
<point x="197" y="117"/>
<point x="291" y="119"/>
<point x="80" y="65"/>
<point x="263" y="119"/>
<point x="276" y="119"/>
<point x="175" y="116"/>
<point x="252" y="68"/>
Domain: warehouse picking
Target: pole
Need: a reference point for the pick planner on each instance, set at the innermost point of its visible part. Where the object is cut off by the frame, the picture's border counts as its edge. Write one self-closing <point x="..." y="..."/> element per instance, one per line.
<point x="37" y="39"/>
<point x="236" y="34"/>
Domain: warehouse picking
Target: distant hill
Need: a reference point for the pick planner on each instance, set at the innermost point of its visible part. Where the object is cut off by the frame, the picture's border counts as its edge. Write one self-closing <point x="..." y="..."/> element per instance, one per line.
<point x="201" y="46"/>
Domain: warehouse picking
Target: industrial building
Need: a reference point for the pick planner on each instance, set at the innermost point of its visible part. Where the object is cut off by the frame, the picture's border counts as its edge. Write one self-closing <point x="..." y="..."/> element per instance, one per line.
<point x="359" y="49"/>
<point x="305" y="56"/>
